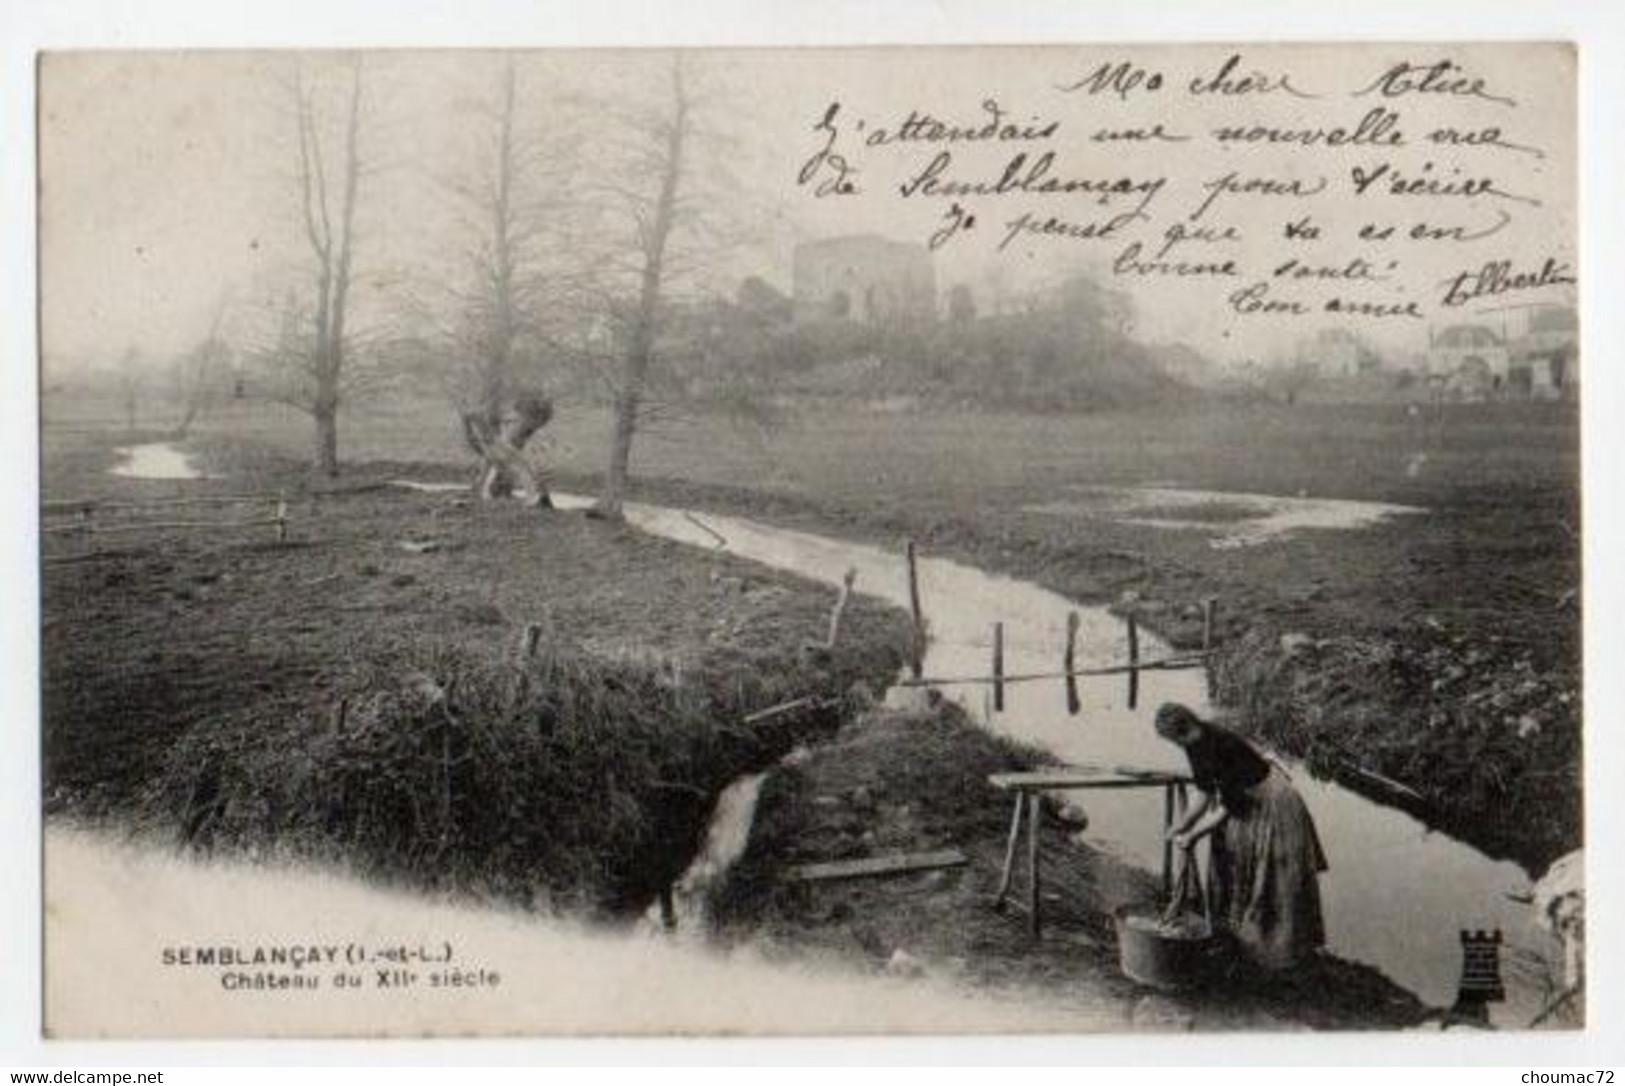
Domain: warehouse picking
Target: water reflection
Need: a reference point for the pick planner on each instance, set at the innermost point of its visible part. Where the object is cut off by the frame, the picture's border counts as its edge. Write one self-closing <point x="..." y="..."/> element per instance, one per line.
<point x="1233" y="518"/>
<point x="159" y="460"/>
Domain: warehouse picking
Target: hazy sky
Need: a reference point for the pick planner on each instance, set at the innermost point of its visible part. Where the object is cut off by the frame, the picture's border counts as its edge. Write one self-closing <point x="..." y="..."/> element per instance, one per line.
<point x="167" y="178"/>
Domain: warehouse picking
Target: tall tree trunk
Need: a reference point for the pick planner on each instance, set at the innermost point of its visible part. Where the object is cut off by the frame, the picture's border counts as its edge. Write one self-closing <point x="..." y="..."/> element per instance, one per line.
<point x="493" y="396"/>
<point x="189" y="416"/>
<point x="620" y="453"/>
<point x="497" y="378"/>
<point x="327" y="440"/>
<point x="325" y="412"/>
<point x="328" y="392"/>
<point x="640" y="346"/>
<point x="333" y="265"/>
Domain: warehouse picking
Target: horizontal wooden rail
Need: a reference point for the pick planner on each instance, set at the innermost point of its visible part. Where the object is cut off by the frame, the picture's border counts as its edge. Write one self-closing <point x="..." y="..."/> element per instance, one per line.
<point x="1060" y="778"/>
<point x="87" y="521"/>
<point x="1172" y="663"/>
<point x="92" y="528"/>
<point x="97" y="505"/>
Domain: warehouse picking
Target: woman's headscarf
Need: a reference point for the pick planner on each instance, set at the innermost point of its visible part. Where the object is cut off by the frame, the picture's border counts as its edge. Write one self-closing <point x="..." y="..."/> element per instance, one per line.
<point x="1175" y="722"/>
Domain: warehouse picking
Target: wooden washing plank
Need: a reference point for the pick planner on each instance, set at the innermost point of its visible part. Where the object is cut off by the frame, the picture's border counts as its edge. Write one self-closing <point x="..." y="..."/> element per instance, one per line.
<point x="896" y="864"/>
<point x="1084" y="777"/>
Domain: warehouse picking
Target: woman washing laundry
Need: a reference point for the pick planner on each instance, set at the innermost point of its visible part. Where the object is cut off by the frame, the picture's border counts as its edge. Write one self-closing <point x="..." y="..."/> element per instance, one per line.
<point x="1265" y="857"/>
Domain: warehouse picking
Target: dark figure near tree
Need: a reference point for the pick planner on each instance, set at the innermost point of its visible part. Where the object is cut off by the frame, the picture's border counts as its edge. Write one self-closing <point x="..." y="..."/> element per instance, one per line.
<point x="499" y="441"/>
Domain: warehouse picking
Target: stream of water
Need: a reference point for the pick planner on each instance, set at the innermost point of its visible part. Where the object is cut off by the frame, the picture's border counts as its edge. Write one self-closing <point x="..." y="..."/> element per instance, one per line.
<point x="1397" y="895"/>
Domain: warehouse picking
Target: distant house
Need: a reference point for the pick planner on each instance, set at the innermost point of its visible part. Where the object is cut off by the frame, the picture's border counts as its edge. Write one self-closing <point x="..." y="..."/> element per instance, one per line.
<point x="864" y="278"/>
<point x="1469" y="359"/>
<point x="1544" y="359"/>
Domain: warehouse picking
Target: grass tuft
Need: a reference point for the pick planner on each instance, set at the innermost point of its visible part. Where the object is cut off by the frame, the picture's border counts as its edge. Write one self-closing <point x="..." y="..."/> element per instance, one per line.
<point x="578" y="779"/>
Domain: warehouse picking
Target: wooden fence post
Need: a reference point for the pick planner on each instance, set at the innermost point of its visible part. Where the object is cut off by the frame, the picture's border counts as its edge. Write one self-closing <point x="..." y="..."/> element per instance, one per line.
<point x="917" y="665"/>
<point x="1133" y="661"/>
<point x="668" y="909"/>
<point x="445" y="781"/>
<point x="1167" y="841"/>
<point x="1007" y="876"/>
<point x="529" y="638"/>
<point x="1035" y="892"/>
<point x="1067" y="664"/>
<point x="839" y="610"/>
<point x="1210" y="633"/>
<point x="998" y="667"/>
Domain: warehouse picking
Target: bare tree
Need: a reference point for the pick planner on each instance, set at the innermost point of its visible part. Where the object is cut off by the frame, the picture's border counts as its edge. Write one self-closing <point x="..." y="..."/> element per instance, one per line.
<point x="327" y="205"/>
<point x="201" y="368"/>
<point x="662" y="143"/>
<point x="515" y="235"/>
<point x="496" y="261"/>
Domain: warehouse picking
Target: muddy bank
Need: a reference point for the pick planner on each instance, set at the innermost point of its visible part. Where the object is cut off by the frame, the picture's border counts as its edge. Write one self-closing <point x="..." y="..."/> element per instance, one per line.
<point x="914" y="781"/>
<point x="350" y="699"/>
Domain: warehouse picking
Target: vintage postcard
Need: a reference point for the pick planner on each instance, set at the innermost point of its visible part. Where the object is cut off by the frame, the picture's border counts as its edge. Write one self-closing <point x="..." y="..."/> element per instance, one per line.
<point x="811" y="540"/>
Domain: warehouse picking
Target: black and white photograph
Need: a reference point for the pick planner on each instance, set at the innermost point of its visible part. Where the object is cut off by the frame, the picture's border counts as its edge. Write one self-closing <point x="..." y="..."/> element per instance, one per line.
<point x="863" y="540"/>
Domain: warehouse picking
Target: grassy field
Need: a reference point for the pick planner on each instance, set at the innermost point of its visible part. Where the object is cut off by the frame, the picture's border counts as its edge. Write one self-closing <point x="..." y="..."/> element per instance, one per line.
<point x="345" y="698"/>
<point x="981" y="459"/>
<point x="192" y="681"/>
<point x="1496" y="556"/>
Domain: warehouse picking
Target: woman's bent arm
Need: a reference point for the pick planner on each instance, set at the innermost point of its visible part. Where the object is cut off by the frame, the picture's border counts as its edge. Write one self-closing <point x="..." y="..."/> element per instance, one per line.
<point x="1204" y="800"/>
<point x="1211" y="819"/>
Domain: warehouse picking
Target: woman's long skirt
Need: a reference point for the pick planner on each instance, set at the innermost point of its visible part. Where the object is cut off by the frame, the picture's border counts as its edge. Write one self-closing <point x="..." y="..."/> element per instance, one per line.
<point x="1264" y="877"/>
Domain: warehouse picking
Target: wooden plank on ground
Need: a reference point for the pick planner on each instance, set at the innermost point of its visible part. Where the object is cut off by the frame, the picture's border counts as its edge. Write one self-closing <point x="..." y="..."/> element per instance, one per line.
<point x="896" y="864"/>
<point x="1084" y="777"/>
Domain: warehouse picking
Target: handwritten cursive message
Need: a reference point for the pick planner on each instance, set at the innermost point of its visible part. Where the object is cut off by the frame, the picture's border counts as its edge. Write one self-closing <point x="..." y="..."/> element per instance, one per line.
<point x="1383" y="185"/>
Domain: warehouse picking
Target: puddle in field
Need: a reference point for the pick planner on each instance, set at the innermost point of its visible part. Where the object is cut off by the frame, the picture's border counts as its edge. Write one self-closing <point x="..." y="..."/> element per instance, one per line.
<point x="1398" y="893"/>
<point x="1233" y="518"/>
<point x="428" y="488"/>
<point x="159" y="460"/>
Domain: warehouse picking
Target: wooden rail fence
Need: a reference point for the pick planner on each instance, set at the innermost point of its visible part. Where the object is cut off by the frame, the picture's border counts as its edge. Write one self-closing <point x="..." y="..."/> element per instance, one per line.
<point x="1069" y="672"/>
<point x="99" y="518"/>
